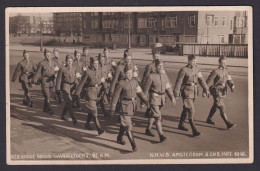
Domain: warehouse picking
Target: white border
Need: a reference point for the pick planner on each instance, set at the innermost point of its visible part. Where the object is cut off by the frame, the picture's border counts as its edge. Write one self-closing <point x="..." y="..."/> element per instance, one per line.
<point x="138" y="161"/>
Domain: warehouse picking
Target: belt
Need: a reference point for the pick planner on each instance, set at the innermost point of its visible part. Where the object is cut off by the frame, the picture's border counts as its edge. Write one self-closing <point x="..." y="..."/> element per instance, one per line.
<point x="69" y="83"/>
<point x="129" y="99"/>
<point x="96" y="85"/>
<point x="190" y="84"/>
<point x="157" y="92"/>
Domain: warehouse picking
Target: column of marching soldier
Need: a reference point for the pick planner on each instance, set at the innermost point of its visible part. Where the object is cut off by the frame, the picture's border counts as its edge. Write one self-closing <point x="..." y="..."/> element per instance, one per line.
<point x="98" y="78"/>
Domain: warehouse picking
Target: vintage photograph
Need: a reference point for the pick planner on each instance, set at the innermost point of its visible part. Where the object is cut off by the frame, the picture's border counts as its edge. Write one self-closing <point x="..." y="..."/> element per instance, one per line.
<point x="129" y="85"/>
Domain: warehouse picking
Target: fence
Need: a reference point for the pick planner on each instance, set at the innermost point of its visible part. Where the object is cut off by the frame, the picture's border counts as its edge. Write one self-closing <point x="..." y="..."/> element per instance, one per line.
<point x="230" y="50"/>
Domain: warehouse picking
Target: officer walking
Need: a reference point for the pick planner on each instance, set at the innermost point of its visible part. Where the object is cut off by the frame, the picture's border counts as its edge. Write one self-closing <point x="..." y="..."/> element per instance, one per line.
<point x="127" y="90"/>
<point x="56" y="58"/>
<point x="187" y="86"/>
<point x="65" y="82"/>
<point x="109" y="61"/>
<point x="157" y="84"/>
<point x="25" y="70"/>
<point x="85" y="57"/>
<point x="94" y="80"/>
<point x="46" y="70"/>
<point x="218" y="81"/>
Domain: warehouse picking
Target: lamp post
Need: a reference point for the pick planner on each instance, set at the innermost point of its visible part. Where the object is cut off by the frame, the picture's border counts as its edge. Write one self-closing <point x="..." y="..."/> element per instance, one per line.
<point x="129" y="43"/>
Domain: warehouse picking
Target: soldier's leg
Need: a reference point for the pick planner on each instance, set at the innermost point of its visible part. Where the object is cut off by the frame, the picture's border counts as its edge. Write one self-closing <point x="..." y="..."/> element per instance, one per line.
<point x="148" y="130"/>
<point x="181" y="125"/>
<point x="89" y="118"/>
<point x="158" y="124"/>
<point x="130" y="136"/>
<point x="68" y="106"/>
<point x="212" y="112"/>
<point x="25" y="102"/>
<point x="189" y="105"/>
<point x="47" y="92"/>
<point x="223" y="115"/>
<point x="121" y="132"/>
<point x="44" y="92"/>
<point x="102" y="105"/>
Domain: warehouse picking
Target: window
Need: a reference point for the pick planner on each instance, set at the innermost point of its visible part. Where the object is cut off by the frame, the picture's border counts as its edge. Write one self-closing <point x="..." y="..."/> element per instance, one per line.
<point x="106" y="37"/>
<point x="85" y="25"/>
<point x="126" y="24"/>
<point x="206" y="39"/>
<point x="209" y="20"/>
<point x="240" y="21"/>
<point x="221" y="38"/>
<point x="171" y="22"/>
<point x="141" y="23"/>
<point x="94" y="14"/>
<point x="192" y="21"/>
<point x="216" y="21"/>
<point x="224" y="21"/>
<point x="167" y="22"/>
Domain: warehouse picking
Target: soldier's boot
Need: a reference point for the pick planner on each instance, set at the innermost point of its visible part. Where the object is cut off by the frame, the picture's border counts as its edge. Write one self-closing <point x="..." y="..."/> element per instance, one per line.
<point x="74" y="120"/>
<point x="148" y="130"/>
<point x="29" y="100"/>
<point x="87" y="125"/>
<point x="99" y="129"/>
<point x="182" y="119"/>
<point x="49" y="108"/>
<point x="45" y="108"/>
<point x="59" y="98"/>
<point x="102" y="105"/>
<point x="159" y="130"/>
<point x="120" y="139"/>
<point x="25" y="102"/>
<point x="77" y="103"/>
<point x="195" y="132"/>
<point x="63" y="114"/>
<point x="224" y="117"/>
<point x="211" y="113"/>
<point x="130" y="136"/>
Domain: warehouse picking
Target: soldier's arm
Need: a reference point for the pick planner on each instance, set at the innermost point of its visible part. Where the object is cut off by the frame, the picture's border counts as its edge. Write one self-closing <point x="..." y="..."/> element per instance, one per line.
<point x="178" y="83"/>
<point x="116" y="96"/>
<point x="59" y="79"/>
<point x="114" y="80"/>
<point x="168" y="89"/>
<point x="147" y="71"/>
<point x="140" y="93"/>
<point x="202" y="81"/>
<point x="16" y="72"/>
<point x="38" y="73"/>
<point x="211" y="78"/>
<point x="147" y="84"/>
<point x="230" y="83"/>
<point x="81" y="84"/>
<point x="34" y="67"/>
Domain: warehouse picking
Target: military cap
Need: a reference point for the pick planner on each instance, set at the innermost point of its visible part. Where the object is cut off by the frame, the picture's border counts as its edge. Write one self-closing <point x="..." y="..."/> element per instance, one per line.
<point x="93" y="59"/>
<point x="85" y="48"/>
<point x="221" y="58"/>
<point x="106" y="49"/>
<point x="127" y="52"/>
<point x="158" y="61"/>
<point x="157" y="45"/>
<point x="76" y="52"/>
<point x="55" y="50"/>
<point x="69" y="57"/>
<point x="191" y="57"/>
<point x="24" y="52"/>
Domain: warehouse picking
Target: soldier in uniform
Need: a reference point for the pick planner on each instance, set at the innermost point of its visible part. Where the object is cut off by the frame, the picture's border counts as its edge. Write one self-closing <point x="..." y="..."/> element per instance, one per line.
<point x="25" y="69"/>
<point x="80" y="68"/>
<point x="109" y="61"/>
<point x="94" y="80"/>
<point x="127" y="90"/>
<point x="65" y="81"/>
<point x="187" y="86"/>
<point x="157" y="84"/>
<point x="218" y="81"/>
<point x="105" y="73"/>
<point x="85" y="57"/>
<point x="56" y="58"/>
<point x="46" y="70"/>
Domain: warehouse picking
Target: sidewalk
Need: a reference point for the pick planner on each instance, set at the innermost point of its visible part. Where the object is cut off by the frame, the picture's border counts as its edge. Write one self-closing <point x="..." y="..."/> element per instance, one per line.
<point x="141" y="54"/>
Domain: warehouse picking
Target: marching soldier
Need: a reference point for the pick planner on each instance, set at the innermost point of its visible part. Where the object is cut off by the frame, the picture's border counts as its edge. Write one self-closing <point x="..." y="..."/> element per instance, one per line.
<point x="109" y="61"/>
<point x="25" y="69"/>
<point x="85" y="57"/>
<point x="106" y="74"/>
<point x="46" y="70"/>
<point x="218" y="81"/>
<point x="80" y="68"/>
<point x="127" y="90"/>
<point x="56" y="58"/>
<point x="157" y="84"/>
<point x="187" y="86"/>
<point x="65" y="81"/>
<point x="92" y="77"/>
<point x="120" y="74"/>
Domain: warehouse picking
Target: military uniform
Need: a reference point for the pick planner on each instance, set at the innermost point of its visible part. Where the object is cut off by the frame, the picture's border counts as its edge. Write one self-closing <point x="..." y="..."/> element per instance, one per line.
<point x="25" y="70"/>
<point x="157" y="84"/>
<point x="46" y="70"/>
<point x="218" y="81"/>
<point x="56" y="59"/>
<point x="93" y="79"/>
<point x="65" y="81"/>
<point x="111" y="64"/>
<point x="187" y="86"/>
<point x="85" y="59"/>
<point x="126" y="90"/>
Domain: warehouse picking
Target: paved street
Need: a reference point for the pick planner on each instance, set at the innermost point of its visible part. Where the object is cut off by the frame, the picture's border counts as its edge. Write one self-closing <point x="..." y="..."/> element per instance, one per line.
<point x="33" y="131"/>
